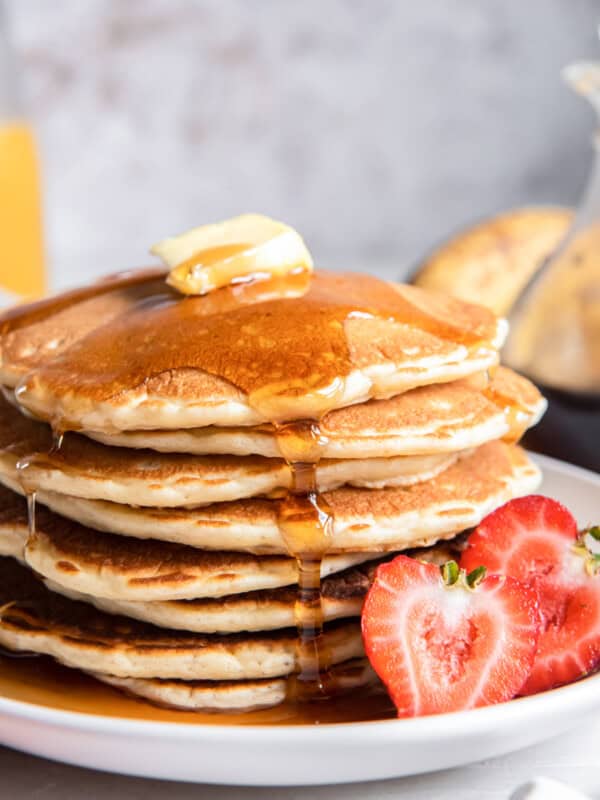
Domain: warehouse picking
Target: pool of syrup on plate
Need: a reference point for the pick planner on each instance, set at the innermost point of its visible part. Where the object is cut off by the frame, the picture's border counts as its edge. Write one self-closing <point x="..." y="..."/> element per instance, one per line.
<point x="43" y="682"/>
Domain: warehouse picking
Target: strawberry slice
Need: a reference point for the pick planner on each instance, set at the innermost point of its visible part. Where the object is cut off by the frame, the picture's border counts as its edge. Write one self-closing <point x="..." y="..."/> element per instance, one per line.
<point x="535" y="540"/>
<point x="442" y="640"/>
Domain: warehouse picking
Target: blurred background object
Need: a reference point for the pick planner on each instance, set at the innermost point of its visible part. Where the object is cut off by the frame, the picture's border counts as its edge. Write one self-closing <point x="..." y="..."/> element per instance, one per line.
<point x="541" y="267"/>
<point x="492" y="261"/>
<point x="375" y="128"/>
<point x="555" y="324"/>
<point x="22" y="264"/>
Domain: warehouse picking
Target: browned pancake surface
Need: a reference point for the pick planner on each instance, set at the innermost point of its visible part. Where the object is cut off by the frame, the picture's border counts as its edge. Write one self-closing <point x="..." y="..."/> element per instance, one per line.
<point x="425" y="419"/>
<point x="250" y="343"/>
<point x="145" y="560"/>
<point x="28" y="605"/>
<point x="22" y="436"/>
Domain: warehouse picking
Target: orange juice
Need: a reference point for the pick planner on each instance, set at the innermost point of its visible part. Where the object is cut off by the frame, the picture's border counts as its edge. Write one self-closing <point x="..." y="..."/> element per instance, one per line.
<point x="21" y="263"/>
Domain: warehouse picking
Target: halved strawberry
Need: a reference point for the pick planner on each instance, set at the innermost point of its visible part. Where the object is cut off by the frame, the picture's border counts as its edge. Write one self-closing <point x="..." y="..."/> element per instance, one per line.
<point x="534" y="539"/>
<point x="443" y="641"/>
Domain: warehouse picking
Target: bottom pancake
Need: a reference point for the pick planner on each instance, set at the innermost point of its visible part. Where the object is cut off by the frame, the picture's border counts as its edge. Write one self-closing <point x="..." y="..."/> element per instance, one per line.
<point x="233" y="695"/>
<point x="36" y="620"/>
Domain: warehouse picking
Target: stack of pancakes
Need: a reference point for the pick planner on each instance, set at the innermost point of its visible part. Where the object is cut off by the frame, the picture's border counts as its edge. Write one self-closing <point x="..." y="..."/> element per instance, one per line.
<point x="162" y="438"/>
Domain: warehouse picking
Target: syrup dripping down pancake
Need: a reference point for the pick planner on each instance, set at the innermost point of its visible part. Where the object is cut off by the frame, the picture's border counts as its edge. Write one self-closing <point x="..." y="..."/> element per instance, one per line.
<point x="85" y="468"/>
<point x="366" y="520"/>
<point x="263" y="352"/>
<point x="35" y="620"/>
<point x="443" y="418"/>
<point x="342" y="596"/>
<point x="234" y="695"/>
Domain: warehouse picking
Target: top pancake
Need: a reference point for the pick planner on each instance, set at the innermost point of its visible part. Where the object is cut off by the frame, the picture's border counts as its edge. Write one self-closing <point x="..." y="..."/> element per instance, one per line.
<point x="133" y="354"/>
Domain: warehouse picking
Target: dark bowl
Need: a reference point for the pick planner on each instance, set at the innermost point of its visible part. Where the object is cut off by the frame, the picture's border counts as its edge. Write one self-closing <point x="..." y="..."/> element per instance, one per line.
<point x="570" y="428"/>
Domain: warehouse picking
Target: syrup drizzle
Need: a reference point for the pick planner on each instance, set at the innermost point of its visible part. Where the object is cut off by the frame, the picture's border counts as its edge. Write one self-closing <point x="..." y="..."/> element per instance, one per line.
<point x="26" y="482"/>
<point x="516" y="412"/>
<point x="306" y="522"/>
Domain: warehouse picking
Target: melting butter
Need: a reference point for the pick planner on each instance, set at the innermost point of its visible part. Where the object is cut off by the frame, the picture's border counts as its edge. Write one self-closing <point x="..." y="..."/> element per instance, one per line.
<point x="243" y="248"/>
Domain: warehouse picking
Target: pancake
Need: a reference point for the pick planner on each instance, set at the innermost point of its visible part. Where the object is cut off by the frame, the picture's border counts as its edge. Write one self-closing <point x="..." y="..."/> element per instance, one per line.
<point x="431" y="419"/>
<point x="88" y="561"/>
<point x="342" y="597"/>
<point x="84" y="468"/>
<point x="363" y="519"/>
<point x="232" y="695"/>
<point x="105" y="565"/>
<point x="272" y="350"/>
<point x="36" y="620"/>
<point x="71" y="558"/>
<point x="13" y="524"/>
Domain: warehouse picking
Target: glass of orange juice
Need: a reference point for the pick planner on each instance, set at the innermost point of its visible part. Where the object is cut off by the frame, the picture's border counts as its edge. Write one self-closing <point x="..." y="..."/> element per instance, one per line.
<point x="22" y="271"/>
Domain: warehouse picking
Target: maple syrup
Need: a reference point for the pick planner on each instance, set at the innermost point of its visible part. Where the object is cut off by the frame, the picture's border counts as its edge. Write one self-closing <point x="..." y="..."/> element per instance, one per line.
<point x="44" y="682"/>
<point x="305" y="521"/>
<point x="517" y="415"/>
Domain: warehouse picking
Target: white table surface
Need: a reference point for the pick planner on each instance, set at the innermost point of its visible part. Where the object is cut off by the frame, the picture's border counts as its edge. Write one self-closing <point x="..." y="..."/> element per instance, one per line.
<point x="574" y="758"/>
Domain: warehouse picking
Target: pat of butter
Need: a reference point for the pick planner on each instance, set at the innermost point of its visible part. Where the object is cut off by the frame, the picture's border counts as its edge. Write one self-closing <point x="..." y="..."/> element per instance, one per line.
<point x="238" y="249"/>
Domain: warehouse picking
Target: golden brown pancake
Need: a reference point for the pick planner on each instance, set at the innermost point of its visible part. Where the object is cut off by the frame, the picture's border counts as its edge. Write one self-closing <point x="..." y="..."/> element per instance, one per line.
<point x="84" y="468"/>
<point x="342" y="597"/>
<point x="431" y="419"/>
<point x="36" y="620"/>
<point x="233" y="695"/>
<point x="363" y="519"/>
<point x="119" y="567"/>
<point x="241" y="355"/>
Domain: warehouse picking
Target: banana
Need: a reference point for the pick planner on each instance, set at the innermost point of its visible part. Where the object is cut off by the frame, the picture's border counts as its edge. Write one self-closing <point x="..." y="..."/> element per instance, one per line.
<point x="491" y="262"/>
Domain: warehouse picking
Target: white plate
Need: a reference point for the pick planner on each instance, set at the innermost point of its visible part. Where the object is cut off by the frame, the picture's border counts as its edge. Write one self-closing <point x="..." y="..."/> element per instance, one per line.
<point x="301" y="755"/>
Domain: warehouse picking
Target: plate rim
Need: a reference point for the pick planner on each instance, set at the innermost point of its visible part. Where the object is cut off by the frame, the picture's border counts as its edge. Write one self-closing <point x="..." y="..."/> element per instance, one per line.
<point x="445" y="724"/>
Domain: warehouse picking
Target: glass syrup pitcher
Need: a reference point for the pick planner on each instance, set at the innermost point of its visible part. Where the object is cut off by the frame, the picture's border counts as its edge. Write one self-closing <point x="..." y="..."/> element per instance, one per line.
<point x="555" y="326"/>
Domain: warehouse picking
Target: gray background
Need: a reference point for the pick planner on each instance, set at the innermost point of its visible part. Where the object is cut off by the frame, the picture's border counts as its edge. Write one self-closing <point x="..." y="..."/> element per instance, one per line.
<point x="375" y="127"/>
